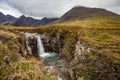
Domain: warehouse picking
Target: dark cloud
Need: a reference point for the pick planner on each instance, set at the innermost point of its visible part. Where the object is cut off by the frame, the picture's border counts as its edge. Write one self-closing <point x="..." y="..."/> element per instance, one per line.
<point x="54" y="8"/>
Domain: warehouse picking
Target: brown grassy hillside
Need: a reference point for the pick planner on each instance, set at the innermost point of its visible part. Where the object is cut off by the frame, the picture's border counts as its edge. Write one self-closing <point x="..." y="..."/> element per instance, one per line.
<point x="101" y="35"/>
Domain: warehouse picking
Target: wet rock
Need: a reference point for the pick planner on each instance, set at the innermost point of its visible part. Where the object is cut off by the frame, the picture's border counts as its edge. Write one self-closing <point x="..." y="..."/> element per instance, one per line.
<point x="33" y="44"/>
<point x="50" y="43"/>
<point x="22" y="45"/>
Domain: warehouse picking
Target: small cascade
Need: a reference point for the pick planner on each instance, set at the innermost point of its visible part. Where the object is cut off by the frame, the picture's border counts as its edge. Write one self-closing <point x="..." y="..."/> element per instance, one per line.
<point x="50" y="59"/>
<point x="40" y="45"/>
<point x="40" y="48"/>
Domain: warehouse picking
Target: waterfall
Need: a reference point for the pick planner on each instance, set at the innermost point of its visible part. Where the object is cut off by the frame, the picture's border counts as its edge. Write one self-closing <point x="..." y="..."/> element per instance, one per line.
<point x="40" y="48"/>
<point x="39" y="45"/>
<point x="41" y="51"/>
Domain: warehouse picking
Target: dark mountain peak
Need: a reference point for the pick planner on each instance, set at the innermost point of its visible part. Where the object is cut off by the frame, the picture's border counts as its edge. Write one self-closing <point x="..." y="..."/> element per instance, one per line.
<point x="24" y="21"/>
<point x="23" y="16"/>
<point x="30" y="18"/>
<point x="6" y="19"/>
<point x="80" y="13"/>
<point x="79" y="7"/>
<point x="21" y="21"/>
<point x="2" y="15"/>
<point x="9" y="15"/>
<point x="45" y="18"/>
<point x="29" y="21"/>
<point x="10" y="18"/>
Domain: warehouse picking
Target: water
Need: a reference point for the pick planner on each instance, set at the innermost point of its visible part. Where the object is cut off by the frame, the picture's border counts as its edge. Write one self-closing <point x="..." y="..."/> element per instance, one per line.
<point x="41" y="50"/>
<point x="50" y="59"/>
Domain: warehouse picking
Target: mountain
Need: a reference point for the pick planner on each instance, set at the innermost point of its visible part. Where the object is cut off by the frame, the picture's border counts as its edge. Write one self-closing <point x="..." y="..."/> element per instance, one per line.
<point x="6" y="19"/>
<point x="24" y="21"/>
<point x="81" y="13"/>
<point x="29" y="21"/>
<point x="47" y="20"/>
<point x="1" y="15"/>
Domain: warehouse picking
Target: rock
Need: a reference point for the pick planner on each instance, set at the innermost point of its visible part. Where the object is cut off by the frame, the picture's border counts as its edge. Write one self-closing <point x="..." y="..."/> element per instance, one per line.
<point x="22" y="45"/>
<point x="50" y="43"/>
<point x="7" y="60"/>
<point x="81" y="51"/>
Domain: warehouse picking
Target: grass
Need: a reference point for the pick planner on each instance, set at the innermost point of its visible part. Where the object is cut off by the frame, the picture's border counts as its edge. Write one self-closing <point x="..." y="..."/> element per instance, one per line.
<point x="102" y="35"/>
<point x="15" y="67"/>
<point x="99" y="33"/>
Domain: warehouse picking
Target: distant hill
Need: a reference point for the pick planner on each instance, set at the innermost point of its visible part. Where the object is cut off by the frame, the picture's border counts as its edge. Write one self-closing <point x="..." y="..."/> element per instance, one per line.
<point x="80" y="13"/>
<point x="24" y="21"/>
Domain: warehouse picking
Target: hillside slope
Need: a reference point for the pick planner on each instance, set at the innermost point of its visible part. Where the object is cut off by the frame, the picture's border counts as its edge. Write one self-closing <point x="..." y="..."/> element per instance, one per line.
<point x="81" y="13"/>
<point x="90" y="47"/>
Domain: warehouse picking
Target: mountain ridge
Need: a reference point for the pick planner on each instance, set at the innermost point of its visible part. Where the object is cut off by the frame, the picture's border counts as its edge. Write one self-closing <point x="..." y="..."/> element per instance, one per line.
<point x="76" y="13"/>
<point x="6" y="19"/>
<point x="24" y="21"/>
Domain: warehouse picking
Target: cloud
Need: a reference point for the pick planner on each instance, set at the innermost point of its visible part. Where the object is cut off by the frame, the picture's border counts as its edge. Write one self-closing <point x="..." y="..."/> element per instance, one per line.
<point x="54" y="8"/>
<point x="98" y="3"/>
<point x="41" y="8"/>
<point x="6" y="9"/>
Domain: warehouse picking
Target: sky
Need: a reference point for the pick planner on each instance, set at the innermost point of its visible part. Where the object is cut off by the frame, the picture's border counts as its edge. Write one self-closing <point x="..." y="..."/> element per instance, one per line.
<point x="52" y="8"/>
